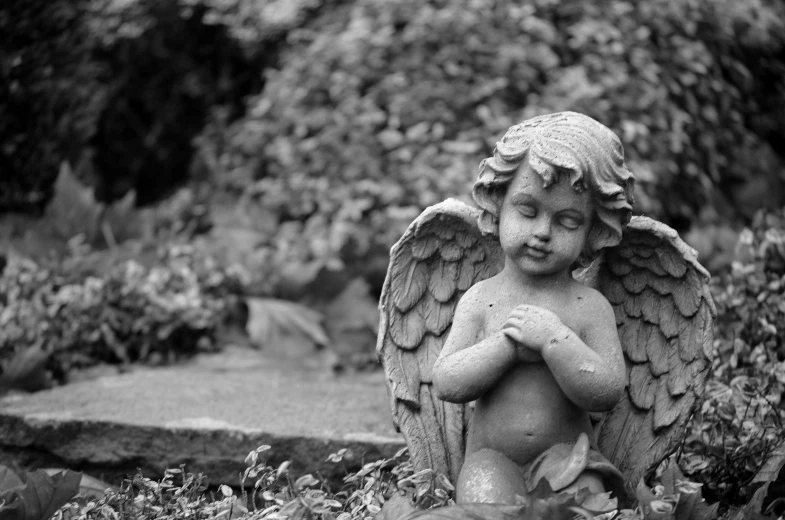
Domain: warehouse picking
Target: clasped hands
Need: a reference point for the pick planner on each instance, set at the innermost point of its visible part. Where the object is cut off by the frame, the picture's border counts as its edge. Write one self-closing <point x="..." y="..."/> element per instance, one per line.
<point x="532" y="328"/>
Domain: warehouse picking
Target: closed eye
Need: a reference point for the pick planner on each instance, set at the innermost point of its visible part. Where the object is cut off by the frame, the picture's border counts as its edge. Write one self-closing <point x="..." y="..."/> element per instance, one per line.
<point x="526" y="210"/>
<point x="570" y="222"/>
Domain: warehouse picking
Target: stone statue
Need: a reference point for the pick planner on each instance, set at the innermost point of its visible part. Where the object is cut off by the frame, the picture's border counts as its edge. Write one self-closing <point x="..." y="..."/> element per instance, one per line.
<point x="581" y="335"/>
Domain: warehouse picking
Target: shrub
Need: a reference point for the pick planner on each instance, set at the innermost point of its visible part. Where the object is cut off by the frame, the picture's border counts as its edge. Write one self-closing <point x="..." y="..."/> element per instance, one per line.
<point x="742" y="417"/>
<point x="380" y="108"/>
<point x="130" y="314"/>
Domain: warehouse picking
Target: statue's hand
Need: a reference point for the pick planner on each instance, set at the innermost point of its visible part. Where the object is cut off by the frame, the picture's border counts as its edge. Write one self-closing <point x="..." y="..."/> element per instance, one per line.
<point x="532" y="327"/>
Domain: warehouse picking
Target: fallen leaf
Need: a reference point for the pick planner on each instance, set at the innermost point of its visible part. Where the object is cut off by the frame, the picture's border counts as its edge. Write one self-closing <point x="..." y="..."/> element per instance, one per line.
<point x="25" y="370"/>
<point x="270" y="318"/>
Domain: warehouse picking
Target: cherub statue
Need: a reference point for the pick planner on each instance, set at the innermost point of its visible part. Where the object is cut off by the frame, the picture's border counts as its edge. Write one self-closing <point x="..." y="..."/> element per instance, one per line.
<point x="581" y="335"/>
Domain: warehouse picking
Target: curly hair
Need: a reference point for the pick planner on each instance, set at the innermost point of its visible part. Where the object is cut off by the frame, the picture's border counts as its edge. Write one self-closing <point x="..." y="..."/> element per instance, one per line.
<point x="565" y="144"/>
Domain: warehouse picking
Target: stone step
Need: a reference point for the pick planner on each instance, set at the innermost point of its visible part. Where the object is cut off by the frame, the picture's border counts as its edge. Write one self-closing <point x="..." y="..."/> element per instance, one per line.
<point x="207" y="414"/>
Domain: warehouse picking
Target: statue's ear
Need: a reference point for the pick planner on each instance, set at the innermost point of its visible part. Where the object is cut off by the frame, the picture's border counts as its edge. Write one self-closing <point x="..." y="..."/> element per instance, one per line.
<point x="489" y="198"/>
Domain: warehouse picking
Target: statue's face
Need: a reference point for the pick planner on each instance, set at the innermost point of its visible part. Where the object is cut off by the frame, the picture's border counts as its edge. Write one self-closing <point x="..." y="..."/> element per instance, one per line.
<point x="543" y="230"/>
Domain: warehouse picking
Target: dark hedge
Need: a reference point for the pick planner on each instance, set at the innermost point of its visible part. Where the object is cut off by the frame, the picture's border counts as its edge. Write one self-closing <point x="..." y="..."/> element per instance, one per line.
<point x="50" y="94"/>
<point x="117" y="89"/>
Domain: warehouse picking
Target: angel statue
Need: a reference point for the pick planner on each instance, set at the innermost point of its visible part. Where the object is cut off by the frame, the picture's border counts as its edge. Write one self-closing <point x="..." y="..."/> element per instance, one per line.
<point x="547" y="334"/>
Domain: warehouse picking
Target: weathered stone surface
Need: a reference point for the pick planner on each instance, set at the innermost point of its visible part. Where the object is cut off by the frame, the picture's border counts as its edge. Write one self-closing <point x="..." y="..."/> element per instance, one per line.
<point x="207" y="414"/>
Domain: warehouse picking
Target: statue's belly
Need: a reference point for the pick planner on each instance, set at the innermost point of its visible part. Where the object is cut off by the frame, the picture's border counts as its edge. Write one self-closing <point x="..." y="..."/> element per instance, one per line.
<point x="526" y="414"/>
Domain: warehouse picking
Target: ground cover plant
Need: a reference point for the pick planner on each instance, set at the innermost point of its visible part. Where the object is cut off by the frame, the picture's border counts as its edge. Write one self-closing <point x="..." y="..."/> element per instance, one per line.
<point x="742" y="417"/>
<point x="387" y="489"/>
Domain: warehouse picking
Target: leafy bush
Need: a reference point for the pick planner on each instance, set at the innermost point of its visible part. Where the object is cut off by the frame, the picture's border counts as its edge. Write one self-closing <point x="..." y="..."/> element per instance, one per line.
<point x="131" y="314"/>
<point x="380" y="108"/>
<point x="742" y="418"/>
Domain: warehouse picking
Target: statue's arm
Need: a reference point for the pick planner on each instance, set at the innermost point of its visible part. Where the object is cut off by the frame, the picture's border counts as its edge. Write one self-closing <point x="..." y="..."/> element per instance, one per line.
<point x="590" y="371"/>
<point x="466" y="368"/>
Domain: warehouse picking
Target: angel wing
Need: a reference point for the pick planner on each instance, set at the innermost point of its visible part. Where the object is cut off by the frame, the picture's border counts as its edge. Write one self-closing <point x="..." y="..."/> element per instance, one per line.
<point x="439" y="257"/>
<point x="664" y="312"/>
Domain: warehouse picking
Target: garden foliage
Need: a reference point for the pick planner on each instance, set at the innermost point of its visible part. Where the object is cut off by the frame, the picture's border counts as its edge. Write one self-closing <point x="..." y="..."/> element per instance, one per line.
<point x="380" y="108"/>
<point x="62" y="320"/>
<point x="364" y="112"/>
<point x="386" y="489"/>
<point x="742" y="417"/>
<point x="266" y="493"/>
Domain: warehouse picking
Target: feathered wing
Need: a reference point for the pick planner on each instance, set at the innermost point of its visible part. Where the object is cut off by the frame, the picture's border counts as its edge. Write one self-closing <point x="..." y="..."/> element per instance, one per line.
<point x="439" y="257"/>
<point x="664" y="312"/>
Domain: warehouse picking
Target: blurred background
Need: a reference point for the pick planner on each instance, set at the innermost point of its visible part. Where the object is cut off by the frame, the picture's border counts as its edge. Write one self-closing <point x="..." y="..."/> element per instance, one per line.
<point x="178" y="175"/>
<point x="246" y="149"/>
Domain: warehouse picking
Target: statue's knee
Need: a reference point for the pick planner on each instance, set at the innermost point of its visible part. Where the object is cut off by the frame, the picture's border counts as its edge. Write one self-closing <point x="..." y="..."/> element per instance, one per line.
<point x="491" y="477"/>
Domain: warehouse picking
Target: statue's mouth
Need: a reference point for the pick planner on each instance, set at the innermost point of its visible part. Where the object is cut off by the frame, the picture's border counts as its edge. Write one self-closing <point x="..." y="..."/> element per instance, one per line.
<point x="537" y="252"/>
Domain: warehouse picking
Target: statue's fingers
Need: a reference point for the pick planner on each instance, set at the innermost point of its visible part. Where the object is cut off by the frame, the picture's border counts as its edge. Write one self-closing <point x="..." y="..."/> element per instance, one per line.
<point x="513" y="320"/>
<point x="520" y="314"/>
<point x="513" y="333"/>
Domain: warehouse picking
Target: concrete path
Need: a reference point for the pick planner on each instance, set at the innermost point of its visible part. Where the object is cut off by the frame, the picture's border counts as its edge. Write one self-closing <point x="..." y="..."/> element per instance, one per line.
<point x="207" y="414"/>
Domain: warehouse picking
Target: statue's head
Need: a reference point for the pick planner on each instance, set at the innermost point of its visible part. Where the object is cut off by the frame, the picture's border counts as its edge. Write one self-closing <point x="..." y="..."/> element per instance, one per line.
<point x="563" y="146"/>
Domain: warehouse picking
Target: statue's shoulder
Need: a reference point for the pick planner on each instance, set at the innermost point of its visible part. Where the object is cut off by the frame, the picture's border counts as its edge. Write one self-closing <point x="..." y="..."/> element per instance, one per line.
<point x="474" y="303"/>
<point x="589" y="300"/>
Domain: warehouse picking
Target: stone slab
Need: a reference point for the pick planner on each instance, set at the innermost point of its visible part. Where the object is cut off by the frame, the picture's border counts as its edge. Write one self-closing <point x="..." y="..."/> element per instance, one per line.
<point x="207" y="414"/>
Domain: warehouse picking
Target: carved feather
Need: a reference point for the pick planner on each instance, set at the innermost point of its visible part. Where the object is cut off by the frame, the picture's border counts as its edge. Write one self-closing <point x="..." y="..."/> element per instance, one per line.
<point x="438" y="315"/>
<point x="425" y="248"/>
<point x="441" y="255"/>
<point x="443" y="281"/>
<point x="407" y="328"/>
<point x="665" y="315"/>
<point x="410" y="279"/>
<point x="636" y="335"/>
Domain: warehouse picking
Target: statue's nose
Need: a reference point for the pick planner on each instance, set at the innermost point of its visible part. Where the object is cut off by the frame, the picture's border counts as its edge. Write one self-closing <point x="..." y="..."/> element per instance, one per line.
<point x="543" y="230"/>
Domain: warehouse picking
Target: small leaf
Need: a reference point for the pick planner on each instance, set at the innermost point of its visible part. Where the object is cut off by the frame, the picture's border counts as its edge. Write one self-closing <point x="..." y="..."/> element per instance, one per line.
<point x="337" y="457"/>
<point x="661" y="506"/>
<point x="283" y="468"/>
<point x="304" y="482"/>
